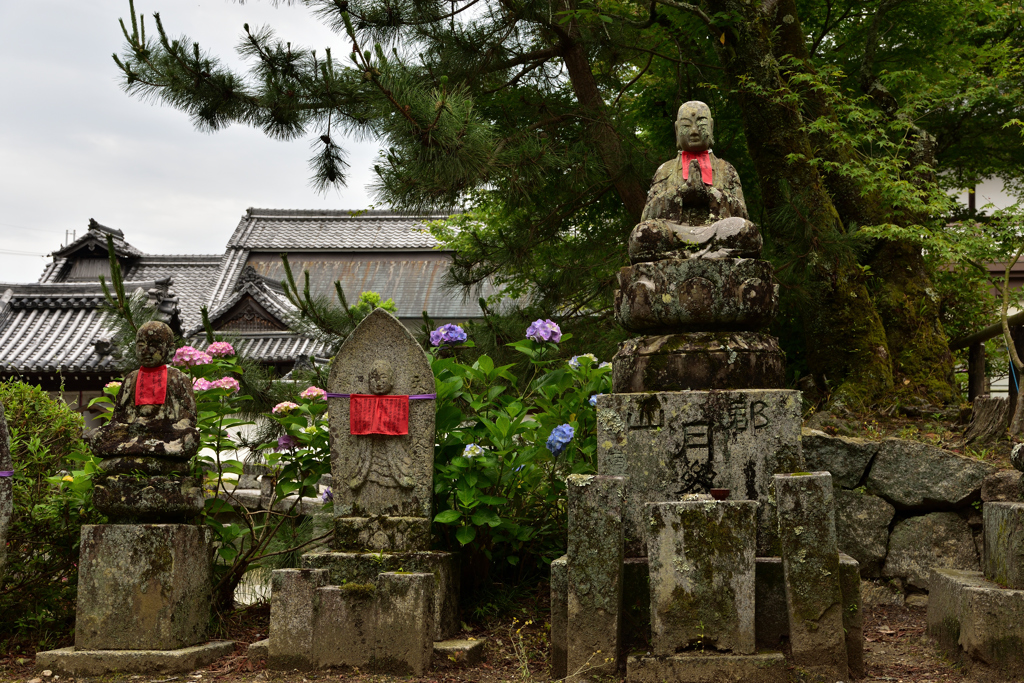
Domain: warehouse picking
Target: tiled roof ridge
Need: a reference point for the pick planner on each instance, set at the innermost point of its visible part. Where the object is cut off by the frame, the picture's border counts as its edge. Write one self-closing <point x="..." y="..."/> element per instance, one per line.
<point x="337" y="213"/>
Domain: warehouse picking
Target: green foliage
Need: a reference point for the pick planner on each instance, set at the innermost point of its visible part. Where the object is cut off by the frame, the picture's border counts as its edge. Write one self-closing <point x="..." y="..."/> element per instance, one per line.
<point x="499" y="489"/>
<point x="52" y="499"/>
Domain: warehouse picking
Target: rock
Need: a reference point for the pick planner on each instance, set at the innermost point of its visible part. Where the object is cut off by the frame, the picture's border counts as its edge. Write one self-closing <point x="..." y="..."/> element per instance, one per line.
<point x="845" y="459"/>
<point x="698" y="361"/>
<point x="853" y="614"/>
<point x="674" y="295"/>
<point x="463" y="651"/>
<point x="862" y="526"/>
<point x="1017" y="456"/>
<point x="1004" y="485"/>
<point x="810" y="559"/>
<point x="918" y="544"/>
<point x="126" y="499"/>
<point x="710" y="667"/>
<point x="989" y="419"/>
<point x="701" y="559"/>
<point x="916" y="600"/>
<point x="1004" y="549"/>
<point x="916" y="476"/>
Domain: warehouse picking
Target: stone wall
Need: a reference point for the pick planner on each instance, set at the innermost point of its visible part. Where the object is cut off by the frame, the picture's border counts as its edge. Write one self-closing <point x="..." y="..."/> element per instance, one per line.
<point x="904" y="507"/>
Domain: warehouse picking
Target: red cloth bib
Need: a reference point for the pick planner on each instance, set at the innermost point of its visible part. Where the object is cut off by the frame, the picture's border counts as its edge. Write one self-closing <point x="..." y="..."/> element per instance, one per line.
<point x="151" y="386"/>
<point x="373" y="414"/>
<point x="703" y="158"/>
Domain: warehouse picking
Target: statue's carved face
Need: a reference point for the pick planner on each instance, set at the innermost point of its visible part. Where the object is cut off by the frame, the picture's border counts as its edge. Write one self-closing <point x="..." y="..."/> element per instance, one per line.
<point x="380" y="378"/>
<point x="154" y="344"/>
<point x="694" y="127"/>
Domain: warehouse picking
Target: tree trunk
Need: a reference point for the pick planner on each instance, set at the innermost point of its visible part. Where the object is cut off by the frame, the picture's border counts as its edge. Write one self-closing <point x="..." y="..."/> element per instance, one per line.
<point x="846" y="342"/>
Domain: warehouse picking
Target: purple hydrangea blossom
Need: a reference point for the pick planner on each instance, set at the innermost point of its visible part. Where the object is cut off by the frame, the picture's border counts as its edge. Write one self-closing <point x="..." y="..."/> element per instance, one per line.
<point x="446" y="335"/>
<point x="220" y="349"/>
<point x="559" y="438"/>
<point x="327" y="496"/>
<point x="286" y="441"/>
<point x="190" y="357"/>
<point x="544" y="330"/>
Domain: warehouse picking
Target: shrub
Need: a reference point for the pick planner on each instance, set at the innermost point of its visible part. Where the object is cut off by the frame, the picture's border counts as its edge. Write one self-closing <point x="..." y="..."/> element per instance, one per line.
<point x="52" y="500"/>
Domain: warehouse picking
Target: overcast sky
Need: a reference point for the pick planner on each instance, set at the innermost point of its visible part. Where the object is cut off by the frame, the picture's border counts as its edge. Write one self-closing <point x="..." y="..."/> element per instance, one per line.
<point x="74" y="146"/>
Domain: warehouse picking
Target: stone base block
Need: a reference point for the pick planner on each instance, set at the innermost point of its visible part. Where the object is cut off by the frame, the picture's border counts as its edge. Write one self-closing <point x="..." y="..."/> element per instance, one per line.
<point x="403" y="640"/>
<point x="977" y="622"/>
<point x="673" y="443"/>
<point x="467" y="652"/>
<point x="1004" y="544"/>
<point x="699" y="667"/>
<point x="363" y="568"/>
<point x="78" y="663"/>
<point x="691" y="295"/>
<point x="143" y="586"/>
<point x="127" y="499"/>
<point x="259" y="652"/>
<point x="390" y="534"/>
<point x="345" y="625"/>
<point x="698" y="361"/>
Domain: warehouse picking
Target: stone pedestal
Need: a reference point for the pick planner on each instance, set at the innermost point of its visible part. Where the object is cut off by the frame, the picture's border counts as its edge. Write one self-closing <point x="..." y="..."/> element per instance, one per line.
<point x="673" y="443"/>
<point x="1004" y="544"/>
<point x="128" y="499"/>
<point x="388" y="534"/>
<point x="701" y="558"/>
<point x="710" y="667"/>
<point x="810" y="559"/>
<point x="143" y="587"/>
<point x="594" y="576"/>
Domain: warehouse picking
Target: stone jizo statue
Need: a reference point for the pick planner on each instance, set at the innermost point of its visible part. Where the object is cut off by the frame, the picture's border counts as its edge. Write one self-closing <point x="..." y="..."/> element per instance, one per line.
<point x="155" y="409"/>
<point x="695" y="208"/>
<point x="383" y="460"/>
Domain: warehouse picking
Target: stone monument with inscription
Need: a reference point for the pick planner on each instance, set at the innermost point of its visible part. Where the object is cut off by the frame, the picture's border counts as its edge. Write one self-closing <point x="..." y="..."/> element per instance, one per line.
<point x="697" y="410"/>
<point x="379" y="598"/>
<point x="145" y="580"/>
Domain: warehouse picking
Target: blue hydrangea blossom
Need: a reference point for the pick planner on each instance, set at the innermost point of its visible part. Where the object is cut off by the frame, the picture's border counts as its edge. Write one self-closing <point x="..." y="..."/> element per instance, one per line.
<point x="559" y="438"/>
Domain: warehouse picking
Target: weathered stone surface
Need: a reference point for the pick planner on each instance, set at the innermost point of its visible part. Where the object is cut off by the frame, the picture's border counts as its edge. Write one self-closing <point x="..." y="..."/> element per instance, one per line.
<point x="1017" y="457"/>
<point x="707" y="667"/>
<point x="810" y="558"/>
<point x="391" y="534"/>
<point x="363" y="568"/>
<point x="257" y="653"/>
<point x="126" y="499"/>
<point x="636" y="604"/>
<point x="771" y="617"/>
<point x="846" y="459"/>
<point x="1003" y="486"/>
<point x="81" y="663"/>
<point x="147" y="465"/>
<point x="853" y="615"/>
<point x="975" y="621"/>
<point x="698" y="361"/>
<point x="344" y="631"/>
<point x="594" y="577"/>
<point x="559" y="616"/>
<point x="251" y="473"/>
<point x="989" y="420"/>
<point x="373" y="474"/>
<point x="732" y="237"/>
<point x="671" y="444"/>
<point x="937" y="540"/>
<point x="143" y="587"/>
<point x="6" y="488"/>
<point x="675" y="295"/>
<point x="294" y="611"/>
<point x="701" y="559"/>
<point x="915" y="476"/>
<point x="468" y="652"/>
<point x="862" y="525"/>
<point x="404" y="639"/>
<point x="1004" y="544"/>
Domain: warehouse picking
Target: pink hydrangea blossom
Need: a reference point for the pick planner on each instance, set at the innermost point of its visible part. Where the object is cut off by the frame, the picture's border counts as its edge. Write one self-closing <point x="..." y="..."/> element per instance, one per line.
<point x="200" y="384"/>
<point x="314" y="393"/>
<point x="220" y="349"/>
<point x="190" y="356"/>
<point x="284" y="407"/>
<point x="111" y="385"/>
<point x="226" y="383"/>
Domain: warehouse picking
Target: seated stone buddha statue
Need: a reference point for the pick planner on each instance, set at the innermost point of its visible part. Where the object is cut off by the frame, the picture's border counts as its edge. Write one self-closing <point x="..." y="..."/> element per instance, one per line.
<point x="153" y="428"/>
<point x="695" y="207"/>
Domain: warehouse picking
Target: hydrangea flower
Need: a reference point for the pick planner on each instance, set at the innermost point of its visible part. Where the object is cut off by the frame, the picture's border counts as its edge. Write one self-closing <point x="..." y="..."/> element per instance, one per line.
<point x="226" y="383"/>
<point x="286" y="441"/>
<point x="220" y="349"/>
<point x="200" y="384"/>
<point x="111" y="385"/>
<point x="559" y="438"/>
<point x="472" y="451"/>
<point x="190" y="356"/>
<point x="314" y="393"/>
<point x="605" y="364"/>
<point x="447" y="335"/>
<point x="544" y="330"/>
<point x="284" y="407"/>
<point x="327" y="496"/>
<point x="574" y="362"/>
<point x="593" y="399"/>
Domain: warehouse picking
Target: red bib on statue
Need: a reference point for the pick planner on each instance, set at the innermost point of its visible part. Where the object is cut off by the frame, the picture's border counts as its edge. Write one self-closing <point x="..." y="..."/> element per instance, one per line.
<point x="703" y="159"/>
<point x="373" y="414"/>
<point x="151" y="386"/>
